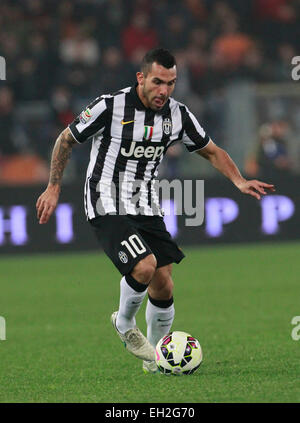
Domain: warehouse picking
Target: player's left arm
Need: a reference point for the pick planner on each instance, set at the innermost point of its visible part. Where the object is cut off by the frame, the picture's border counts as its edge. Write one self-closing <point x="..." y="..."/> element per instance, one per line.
<point x="221" y="160"/>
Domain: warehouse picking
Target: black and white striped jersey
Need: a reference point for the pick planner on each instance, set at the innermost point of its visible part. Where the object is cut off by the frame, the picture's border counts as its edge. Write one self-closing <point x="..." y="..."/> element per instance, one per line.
<point x="128" y="143"/>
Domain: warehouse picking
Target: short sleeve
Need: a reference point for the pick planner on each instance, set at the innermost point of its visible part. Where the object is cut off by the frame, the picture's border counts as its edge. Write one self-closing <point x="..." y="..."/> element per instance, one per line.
<point x="90" y="121"/>
<point x="193" y="135"/>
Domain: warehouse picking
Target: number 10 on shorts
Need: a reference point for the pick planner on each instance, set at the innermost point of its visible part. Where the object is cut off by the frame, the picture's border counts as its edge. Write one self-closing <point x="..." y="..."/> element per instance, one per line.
<point x="134" y="245"/>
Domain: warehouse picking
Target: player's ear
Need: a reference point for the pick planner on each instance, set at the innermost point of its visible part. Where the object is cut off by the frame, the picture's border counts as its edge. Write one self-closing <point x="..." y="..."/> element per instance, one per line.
<point x="140" y="78"/>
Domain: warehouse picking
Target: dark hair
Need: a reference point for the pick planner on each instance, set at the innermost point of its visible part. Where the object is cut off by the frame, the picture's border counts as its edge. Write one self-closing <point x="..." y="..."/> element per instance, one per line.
<point x="158" y="55"/>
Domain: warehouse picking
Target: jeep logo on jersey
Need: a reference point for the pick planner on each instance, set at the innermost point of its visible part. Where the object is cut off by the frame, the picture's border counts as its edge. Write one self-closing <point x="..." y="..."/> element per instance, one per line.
<point x="136" y="152"/>
<point x="167" y="126"/>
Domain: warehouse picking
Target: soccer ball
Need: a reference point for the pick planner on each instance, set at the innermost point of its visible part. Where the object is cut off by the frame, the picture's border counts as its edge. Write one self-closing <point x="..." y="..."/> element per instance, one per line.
<point x="178" y="353"/>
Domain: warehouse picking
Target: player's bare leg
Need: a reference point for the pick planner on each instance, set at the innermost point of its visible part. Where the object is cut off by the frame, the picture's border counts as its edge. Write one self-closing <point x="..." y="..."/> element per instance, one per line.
<point x="133" y="289"/>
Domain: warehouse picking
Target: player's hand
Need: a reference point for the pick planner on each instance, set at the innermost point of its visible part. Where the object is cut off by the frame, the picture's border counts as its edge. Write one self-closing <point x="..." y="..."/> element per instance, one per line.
<point x="255" y="188"/>
<point x="46" y="203"/>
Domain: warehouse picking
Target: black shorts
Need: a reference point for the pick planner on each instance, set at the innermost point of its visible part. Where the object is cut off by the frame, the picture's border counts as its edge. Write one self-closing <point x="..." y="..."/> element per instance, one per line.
<point x="128" y="239"/>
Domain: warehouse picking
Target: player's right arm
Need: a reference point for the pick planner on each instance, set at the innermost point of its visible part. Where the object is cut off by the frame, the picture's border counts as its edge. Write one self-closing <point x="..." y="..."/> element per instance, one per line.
<point x="61" y="153"/>
<point x="92" y="120"/>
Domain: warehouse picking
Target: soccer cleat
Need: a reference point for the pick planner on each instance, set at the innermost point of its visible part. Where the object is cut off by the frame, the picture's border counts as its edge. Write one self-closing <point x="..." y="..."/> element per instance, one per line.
<point x="150" y="367"/>
<point x="135" y="342"/>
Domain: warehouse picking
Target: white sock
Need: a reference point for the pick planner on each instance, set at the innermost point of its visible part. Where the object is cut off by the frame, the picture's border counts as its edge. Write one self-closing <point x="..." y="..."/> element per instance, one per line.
<point x="159" y="321"/>
<point x="130" y="302"/>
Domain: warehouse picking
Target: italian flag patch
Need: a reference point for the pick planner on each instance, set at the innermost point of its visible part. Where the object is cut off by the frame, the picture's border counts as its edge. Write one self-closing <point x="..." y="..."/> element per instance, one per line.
<point x="148" y="133"/>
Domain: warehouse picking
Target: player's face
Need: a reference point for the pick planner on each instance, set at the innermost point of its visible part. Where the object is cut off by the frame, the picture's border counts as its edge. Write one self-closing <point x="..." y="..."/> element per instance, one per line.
<point x="157" y="86"/>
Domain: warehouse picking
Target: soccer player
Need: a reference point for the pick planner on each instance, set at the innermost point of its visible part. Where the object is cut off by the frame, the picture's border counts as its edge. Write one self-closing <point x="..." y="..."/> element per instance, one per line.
<point x="131" y="131"/>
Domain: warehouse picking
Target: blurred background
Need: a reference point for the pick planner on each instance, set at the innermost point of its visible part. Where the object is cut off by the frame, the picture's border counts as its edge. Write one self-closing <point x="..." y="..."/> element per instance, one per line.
<point x="237" y="290"/>
<point x="234" y="72"/>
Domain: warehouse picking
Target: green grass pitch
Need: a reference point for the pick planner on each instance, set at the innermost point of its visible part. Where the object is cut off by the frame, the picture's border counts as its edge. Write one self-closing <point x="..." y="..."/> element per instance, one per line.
<point x="237" y="300"/>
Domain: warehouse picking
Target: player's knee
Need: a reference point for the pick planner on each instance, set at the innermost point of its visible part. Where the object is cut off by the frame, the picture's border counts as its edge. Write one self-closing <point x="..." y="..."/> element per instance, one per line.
<point x="144" y="270"/>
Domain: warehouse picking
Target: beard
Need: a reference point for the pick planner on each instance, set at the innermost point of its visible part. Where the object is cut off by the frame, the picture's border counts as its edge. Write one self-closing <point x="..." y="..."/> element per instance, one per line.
<point x="151" y="101"/>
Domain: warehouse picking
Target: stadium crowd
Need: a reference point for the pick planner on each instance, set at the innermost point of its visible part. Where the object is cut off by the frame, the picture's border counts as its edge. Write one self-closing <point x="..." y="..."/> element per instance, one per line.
<point x="62" y="54"/>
